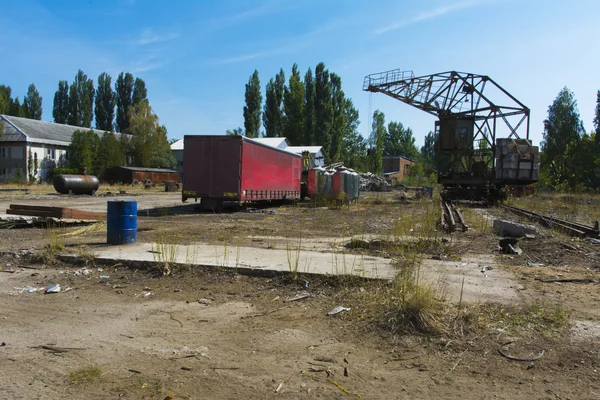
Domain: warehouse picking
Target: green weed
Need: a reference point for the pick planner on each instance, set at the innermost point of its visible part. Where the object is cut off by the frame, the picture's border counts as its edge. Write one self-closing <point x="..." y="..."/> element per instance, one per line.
<point x="86" y="374"/>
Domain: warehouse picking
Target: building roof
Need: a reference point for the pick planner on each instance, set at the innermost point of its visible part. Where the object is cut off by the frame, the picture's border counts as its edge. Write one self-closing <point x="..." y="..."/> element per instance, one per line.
<point x="18" y="129"/>
<point x="301" y="149"/>
<point x="279" y="142"/>
<point x="177" y="145"/>
<point x="397" y="158"/>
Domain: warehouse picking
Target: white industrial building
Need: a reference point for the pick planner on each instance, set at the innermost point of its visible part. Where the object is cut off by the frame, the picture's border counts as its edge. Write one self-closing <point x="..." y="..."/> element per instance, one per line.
<point x="177" y="150"/>
<point x="48" y="140"/>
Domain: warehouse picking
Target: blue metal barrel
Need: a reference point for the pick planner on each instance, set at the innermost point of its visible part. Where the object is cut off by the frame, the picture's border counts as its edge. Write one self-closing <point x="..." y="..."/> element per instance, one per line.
<point x="121" y="222"/>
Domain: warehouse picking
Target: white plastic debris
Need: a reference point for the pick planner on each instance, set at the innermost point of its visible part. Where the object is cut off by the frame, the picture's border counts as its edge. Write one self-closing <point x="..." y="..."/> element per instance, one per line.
<point x="338" y="310"/>
<point x="53" y="289"/>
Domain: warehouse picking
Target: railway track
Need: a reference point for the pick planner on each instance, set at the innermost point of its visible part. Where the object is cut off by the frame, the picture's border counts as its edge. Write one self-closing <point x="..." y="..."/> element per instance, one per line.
<point x="452" y="218"/>
<point x="568" y="227"/>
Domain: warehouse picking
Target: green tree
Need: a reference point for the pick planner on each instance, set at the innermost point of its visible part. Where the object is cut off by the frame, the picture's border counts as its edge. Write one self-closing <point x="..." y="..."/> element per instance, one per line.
<point x="400" y="141"/>
<point x="149" y="139"/>
<point x="73" y="107"/>
<point x="105" y="103"/>
<point x="30" y="165"/>
<point x="597" y="117"/>
<point x="338" y="122"/>
<point x="253" y="99"/>
<point x="323" y="109"/>
<point x="377" y="139"/>
<point x="60" y="112"/>
<point x="584" y="163"/>
<point x="32" y="103"/>
<point x="124" y="92"/>
<point x="5" y="99"/>
<point x="83" y="150"/>
<point x="36" y="165"/>
<point x="139" y="92"/>
<point x="354" y="146"/>
<point x="428" y="149"/>
<point x="81" y="101"/>
<point x="293" y="105"/>
<point x="235" y="132"/>
<point x="110" y="154"/>
<point x="562" y="131"/>
<point x="273" y="119"/>
<point x="16" y="109"/>
<point x="309" y="108"/>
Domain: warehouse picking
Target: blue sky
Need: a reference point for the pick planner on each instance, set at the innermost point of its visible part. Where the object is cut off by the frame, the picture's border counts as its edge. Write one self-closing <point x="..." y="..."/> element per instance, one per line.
<point x="196" y="56"/>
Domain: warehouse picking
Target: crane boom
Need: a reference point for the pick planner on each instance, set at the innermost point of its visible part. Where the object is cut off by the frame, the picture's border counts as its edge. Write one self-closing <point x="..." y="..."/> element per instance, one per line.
<point x="471" y="110"/>
<point x="455" y="95"/>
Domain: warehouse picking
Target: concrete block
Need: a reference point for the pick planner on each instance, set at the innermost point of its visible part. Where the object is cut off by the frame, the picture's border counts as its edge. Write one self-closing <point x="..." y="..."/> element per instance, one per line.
<point x="513" y="229"/>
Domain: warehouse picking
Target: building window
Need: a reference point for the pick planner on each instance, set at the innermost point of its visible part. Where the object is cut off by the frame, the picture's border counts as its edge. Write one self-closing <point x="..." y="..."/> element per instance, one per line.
<point x="3" y="172"/>
<point x="51" y="154"/>
<point x="3" y="152"/>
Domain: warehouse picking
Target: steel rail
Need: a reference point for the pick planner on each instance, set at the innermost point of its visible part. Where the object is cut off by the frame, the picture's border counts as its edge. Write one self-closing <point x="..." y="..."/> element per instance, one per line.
<point x="572" y="228"/>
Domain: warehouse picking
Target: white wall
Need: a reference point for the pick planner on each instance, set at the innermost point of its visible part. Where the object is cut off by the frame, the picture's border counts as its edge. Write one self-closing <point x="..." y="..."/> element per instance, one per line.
<point x="49" y="157"/>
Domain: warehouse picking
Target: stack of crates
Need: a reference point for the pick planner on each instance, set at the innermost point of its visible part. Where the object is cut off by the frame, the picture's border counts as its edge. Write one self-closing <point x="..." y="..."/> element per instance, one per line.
<point x="517" y="161"/>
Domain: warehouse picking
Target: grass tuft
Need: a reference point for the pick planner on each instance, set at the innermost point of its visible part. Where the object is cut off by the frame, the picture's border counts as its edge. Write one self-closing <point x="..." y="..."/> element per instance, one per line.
<point x="86" y="374"/>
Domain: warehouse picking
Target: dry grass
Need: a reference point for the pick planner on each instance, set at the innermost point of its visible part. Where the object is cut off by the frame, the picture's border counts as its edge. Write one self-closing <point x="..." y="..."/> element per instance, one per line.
<point x="165" y="251"/>
<point x="577" y="207"/>
<point x="539" y="316"/>
<point x="86" y="374"/>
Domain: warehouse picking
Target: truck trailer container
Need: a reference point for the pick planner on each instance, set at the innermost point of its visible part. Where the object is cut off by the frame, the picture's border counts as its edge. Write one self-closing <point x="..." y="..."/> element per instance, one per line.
<point x="236" y="168"/>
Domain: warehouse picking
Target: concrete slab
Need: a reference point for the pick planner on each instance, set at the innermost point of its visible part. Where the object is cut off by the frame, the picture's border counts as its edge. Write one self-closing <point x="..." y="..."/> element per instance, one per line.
<point x="252" y="259"/>
<point x="483" y="280"/>
<point x="97" y="203"/>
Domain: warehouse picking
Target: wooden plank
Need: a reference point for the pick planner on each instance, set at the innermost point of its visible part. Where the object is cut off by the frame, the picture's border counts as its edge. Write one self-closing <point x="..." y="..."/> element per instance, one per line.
<point x="32" y="213"/>
<point x="54" y="212"/>
<point x="78" y="214"/>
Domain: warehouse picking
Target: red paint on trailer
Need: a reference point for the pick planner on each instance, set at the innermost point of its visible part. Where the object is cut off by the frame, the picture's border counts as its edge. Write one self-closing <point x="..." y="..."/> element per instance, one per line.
<point x="240" y="169"/>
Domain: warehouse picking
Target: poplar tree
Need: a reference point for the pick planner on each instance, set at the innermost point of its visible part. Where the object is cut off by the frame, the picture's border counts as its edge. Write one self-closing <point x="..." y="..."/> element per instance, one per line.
<point x="309" y="108"/>
<point x="32" y="103"/>
<point x="323" y="108"/>
<point x="105" y="103"/>
<point x="293" y="105"/>
<point x="60" y="111"/>
<point x="252" y="108"/>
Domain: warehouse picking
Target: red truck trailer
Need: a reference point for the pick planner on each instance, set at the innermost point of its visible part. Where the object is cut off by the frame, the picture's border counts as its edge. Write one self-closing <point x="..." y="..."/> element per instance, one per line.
<point x="236" y="168"/>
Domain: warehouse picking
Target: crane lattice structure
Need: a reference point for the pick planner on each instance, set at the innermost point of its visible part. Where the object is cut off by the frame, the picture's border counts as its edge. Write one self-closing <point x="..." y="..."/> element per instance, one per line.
<point x="457" y="95"/>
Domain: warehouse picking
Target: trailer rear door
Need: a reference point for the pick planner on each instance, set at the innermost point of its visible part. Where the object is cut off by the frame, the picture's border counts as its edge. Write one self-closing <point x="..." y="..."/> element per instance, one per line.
<point x="212" y="166"/>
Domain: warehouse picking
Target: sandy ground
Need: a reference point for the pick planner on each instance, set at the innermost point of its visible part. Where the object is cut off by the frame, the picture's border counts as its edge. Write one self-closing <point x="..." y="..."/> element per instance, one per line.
<point x="212" y="333"/>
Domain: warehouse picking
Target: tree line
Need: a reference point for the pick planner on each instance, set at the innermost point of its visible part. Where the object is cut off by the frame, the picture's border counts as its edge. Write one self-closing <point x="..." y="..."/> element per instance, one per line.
<point x="569" y="154"/>
<point x="78" y="103"/>
<point x="144" y="141"/>
<point x="125" y="109"/>
<point x="30" y="108"/>
<point x="314" y="111"/>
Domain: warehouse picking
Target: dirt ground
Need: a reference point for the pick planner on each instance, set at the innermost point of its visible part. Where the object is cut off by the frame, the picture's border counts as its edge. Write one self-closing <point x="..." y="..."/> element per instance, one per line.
<point x="210" y="333"/>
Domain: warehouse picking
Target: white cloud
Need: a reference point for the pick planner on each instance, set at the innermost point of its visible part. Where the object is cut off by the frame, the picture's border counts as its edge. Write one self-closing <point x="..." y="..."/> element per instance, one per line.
<point x="244" y="57"/>
<point x="149" y="64"/>
<point x="430" y="14"/>
<point x="148" y="36"/>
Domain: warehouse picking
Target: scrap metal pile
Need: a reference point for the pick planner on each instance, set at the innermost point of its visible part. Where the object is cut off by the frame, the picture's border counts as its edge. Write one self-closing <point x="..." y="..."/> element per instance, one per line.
<point x="373" y="183"/>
